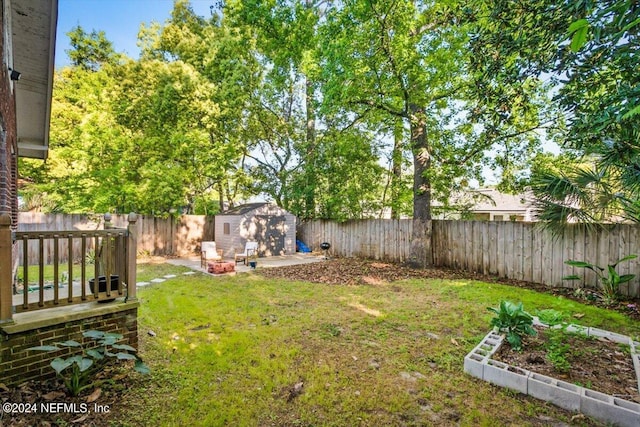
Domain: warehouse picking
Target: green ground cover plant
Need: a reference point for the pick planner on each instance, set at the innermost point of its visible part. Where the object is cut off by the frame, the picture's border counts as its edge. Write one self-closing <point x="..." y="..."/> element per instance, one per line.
<point x="246" y="350"/>
<point x="48" y="272"/>
<point x="88" y="359"/>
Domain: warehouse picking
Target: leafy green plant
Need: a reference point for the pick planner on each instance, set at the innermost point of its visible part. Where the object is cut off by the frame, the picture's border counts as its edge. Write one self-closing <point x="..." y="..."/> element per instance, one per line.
<point x="79" y="370"/>
<point x="608" y="278"/>
<point x="90" y="257"/>
<point x="514" y="321"/>
<point x="551" y="317"/>
<point x="558" y="349"/>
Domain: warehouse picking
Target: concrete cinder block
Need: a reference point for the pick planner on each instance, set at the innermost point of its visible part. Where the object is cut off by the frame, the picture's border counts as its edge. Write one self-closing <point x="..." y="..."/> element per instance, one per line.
<point x="549" y="389"/>
<point x="474" y="365"/>
<point x="595" y="332"/>
<point x="577" y="329"/>
<point x="603" y="407"/>
<point x="503" y="375"/>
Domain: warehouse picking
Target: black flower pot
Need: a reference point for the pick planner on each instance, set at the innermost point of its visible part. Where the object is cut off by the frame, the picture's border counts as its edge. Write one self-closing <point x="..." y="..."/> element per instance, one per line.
<point x="102" y="286"/>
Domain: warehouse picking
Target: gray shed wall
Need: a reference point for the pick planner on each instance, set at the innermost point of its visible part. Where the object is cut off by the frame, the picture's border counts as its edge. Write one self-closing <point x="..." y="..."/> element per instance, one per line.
<point x="246" y="227"/>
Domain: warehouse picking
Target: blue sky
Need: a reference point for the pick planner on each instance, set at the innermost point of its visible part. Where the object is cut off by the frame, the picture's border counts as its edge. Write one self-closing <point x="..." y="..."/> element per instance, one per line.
<point x="119" y="19"/>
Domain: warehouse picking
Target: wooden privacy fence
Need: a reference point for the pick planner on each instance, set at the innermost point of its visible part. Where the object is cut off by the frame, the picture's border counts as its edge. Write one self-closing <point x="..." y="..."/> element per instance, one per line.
<point x="514" y="250"/>
<point x="387" y="239"/>
<point x="155" y="236"/>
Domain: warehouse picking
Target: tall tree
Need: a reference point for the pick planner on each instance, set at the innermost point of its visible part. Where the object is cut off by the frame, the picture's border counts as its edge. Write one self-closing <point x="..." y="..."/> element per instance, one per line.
<point x="589" y="51"/>
<point x="85" y="170"/>
<point x="286" y="41"/>
<point x="90" y="51"/>
<point x="220" y="59"/>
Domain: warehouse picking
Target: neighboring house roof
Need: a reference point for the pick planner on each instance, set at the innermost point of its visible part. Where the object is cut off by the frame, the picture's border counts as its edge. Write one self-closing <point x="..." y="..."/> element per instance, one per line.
<point x="243" y="209"/>
<point x="491" y="201"/>
<point x="33" y="38"/>
<point x="496" y="201"/>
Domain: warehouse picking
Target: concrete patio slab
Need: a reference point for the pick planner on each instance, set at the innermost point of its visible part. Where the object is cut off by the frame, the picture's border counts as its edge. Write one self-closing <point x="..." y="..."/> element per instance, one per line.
<point x="266" y="262"/>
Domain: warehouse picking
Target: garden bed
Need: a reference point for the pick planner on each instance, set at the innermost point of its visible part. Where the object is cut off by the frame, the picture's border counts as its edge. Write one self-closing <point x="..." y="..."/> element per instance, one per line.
<point x="589" y="389"/>
<point x="592" y="362"/>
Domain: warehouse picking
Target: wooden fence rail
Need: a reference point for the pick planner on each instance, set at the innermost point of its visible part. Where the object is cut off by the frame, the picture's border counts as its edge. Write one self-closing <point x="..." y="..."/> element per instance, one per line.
<point x="514" y="250"/>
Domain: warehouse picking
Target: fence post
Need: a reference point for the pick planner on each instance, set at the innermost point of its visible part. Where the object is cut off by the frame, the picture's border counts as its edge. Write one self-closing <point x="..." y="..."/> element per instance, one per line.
<point x="132" y="249"/>
<point x="6" y="270"/>
<point x="107" y="221"/>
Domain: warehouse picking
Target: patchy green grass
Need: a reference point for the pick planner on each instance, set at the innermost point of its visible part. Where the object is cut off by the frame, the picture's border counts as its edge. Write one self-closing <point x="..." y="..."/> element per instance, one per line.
<point x="145" y="271"/>
<point x="48" y="273"/>
<point x="246" y="350"/>
<point x="149" y="271"/>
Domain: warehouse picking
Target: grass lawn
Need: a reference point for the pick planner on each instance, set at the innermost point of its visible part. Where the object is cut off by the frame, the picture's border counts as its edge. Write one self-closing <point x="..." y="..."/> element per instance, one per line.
<point x="246" y="350"/>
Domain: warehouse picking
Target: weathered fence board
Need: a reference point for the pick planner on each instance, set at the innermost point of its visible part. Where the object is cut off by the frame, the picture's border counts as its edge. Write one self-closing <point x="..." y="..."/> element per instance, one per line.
<point x="377" y="238"/>
<point x="156" y="236"/>
<point x="515" y="250"/>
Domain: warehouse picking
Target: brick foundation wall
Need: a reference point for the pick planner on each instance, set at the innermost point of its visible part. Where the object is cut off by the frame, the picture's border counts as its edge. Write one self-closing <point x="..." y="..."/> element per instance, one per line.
<point x="18" y="365"/>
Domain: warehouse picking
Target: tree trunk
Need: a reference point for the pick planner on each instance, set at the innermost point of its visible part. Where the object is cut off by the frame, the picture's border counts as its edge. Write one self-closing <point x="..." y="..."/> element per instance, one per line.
<point x="396" y="168"/>
<point x="310" y="179"/>
<point x="420" y="252"/>
<point x="221" y="196"/>
<point x="421" y="165"/>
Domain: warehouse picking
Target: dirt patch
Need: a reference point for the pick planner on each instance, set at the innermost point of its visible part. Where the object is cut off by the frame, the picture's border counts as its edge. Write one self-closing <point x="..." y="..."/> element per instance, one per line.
<point x="595" y="363"/>
<point x="351" y="271"/>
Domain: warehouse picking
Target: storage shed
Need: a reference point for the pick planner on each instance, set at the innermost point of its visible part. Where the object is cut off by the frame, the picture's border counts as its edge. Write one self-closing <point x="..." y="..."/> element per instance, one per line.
<point x="271" y="226"/>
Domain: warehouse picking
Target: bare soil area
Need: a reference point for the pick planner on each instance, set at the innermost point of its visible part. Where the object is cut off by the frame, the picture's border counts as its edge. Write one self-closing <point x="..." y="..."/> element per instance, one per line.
<point x="595" y="363"/>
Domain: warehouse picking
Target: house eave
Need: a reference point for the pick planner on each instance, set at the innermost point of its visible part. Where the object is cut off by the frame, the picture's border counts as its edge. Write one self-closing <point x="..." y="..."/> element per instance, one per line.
<point x="33" y="27"/>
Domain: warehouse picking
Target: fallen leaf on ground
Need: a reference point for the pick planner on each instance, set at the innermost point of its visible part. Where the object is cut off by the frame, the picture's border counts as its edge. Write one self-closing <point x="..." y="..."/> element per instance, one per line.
<point x="81" y="419"/>
<point x="94" y="396"/>
<point x="52" y="395"/>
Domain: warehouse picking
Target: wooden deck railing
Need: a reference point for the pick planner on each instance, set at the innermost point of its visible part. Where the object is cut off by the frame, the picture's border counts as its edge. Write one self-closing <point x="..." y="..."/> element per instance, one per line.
<point x="90" y="259"/>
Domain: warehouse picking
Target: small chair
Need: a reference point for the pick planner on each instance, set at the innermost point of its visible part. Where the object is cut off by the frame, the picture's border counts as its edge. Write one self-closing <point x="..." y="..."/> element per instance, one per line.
<point x="208" y="252"/>
<point x="250" y="248"/>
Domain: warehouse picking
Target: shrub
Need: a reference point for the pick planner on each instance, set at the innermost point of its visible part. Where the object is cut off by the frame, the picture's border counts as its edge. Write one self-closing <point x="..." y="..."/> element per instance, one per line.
<point x="609" y="278"/>
<point x="79" y="370"/>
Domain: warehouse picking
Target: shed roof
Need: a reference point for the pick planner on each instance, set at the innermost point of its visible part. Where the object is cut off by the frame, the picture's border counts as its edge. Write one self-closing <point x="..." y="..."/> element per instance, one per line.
<point x="243" y="209"/>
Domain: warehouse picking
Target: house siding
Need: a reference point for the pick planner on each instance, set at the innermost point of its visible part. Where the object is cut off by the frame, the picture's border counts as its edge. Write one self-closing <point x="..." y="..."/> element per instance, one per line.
<point x="8" y="142"/>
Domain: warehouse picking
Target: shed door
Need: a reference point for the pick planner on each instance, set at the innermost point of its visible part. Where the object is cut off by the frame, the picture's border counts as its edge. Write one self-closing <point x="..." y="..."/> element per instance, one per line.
<point x="273" y="229"/>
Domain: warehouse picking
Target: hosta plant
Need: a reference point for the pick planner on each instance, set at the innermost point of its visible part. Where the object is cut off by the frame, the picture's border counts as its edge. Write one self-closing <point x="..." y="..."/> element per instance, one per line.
<point x="608" y="278"/>
<point x="79" y="370"/>
<point x="513" y="321"/>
